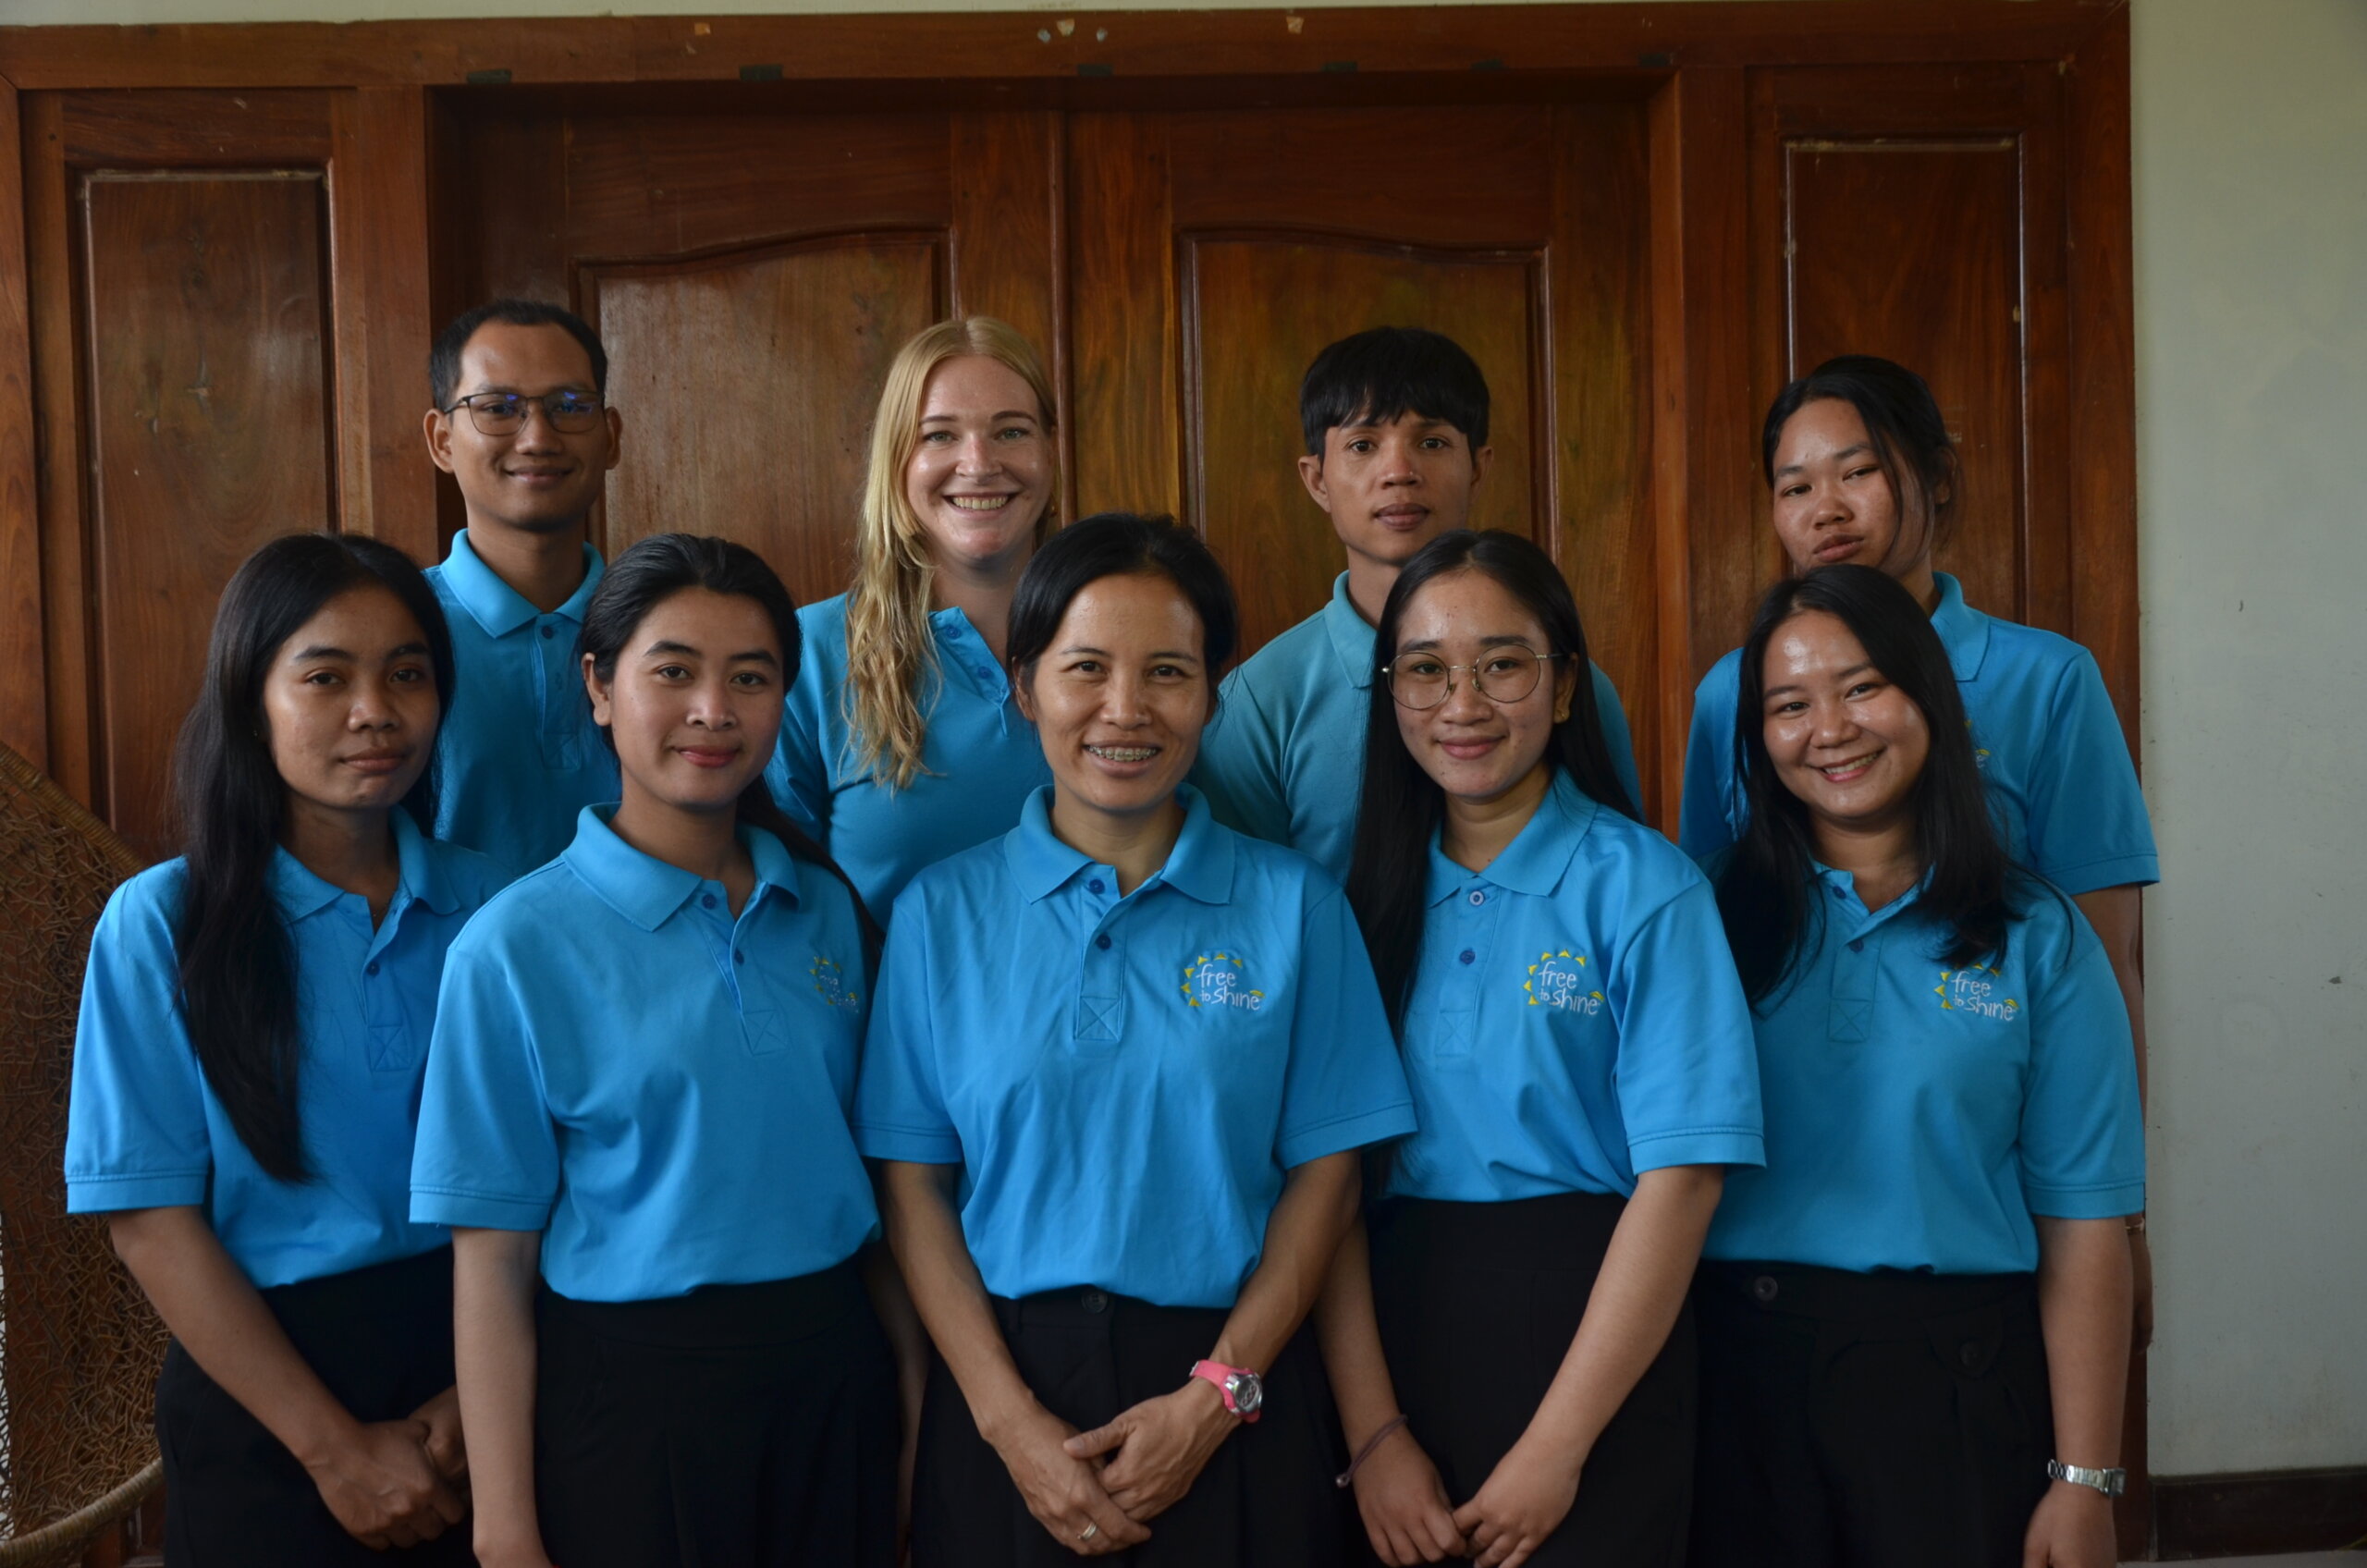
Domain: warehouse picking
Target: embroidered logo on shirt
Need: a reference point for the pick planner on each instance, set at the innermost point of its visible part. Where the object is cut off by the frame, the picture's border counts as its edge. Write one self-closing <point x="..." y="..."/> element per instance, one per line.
<point x="1978" y="990"/>
<point x="1559" y="979"/>
<point x="1219" y="980"/>
<point x="830" y="982"/>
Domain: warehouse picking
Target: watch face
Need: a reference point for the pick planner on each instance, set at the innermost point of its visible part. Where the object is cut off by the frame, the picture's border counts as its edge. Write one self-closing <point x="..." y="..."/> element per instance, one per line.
<point x="1248" y="1393"/>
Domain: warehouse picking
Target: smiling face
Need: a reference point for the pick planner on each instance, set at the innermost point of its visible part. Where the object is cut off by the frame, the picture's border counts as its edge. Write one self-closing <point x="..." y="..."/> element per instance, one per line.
<point x="538" y="479"/>
<point x="1390" y="487"/>
<point x="1120" y="697"/>
<point x="1833" y="501"/>
<point x="350" y="705"/>
<point x="1476" y="748"/>
<point x="1840" y="736"/>
<point x="980" y="476"/>
<point x="695" y="704"/>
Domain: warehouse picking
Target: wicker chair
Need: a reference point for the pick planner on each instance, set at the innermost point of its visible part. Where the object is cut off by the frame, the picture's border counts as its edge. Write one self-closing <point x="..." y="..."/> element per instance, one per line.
<point x="80" y="1346"/>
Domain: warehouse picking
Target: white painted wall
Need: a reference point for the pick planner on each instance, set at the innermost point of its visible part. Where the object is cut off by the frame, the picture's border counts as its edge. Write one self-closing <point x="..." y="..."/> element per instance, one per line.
<point x="2251" y="124"/>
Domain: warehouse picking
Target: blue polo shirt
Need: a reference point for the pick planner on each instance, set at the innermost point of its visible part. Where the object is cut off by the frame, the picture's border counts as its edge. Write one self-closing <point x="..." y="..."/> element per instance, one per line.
<point x="662" y="1090"/>
<point x="979" y="758"/>
<point x="1284" y="758"/>
<point x="519" y="756"/>
<point x="2052" y="757"/>
<point x="1918" y="1112"/>
<point x="1575" y="1020"/>
<point x="1125" y="1081"/>
<point x="143" y="1129"/>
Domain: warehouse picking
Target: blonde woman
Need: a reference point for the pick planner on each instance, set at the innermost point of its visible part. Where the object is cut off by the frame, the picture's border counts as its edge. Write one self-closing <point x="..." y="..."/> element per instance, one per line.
<point x="910" y="750"/>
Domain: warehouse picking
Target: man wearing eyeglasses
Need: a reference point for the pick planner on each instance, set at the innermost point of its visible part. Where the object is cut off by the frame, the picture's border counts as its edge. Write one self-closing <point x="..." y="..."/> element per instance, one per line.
<point x="520" y="422"/>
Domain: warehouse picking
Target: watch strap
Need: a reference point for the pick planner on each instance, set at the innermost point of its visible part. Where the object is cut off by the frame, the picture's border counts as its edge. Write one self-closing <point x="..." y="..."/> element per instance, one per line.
<point x="2109" y="1482"/>
<point x="1217" y="1372"/>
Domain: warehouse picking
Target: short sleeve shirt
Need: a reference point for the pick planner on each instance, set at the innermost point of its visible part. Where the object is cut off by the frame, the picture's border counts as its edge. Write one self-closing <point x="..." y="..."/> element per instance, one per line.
<point x="519" y="754"/>
<point x="1284" y="758"/>
<point x="1126" y="1080"/>
<point x="979" y="758"/>
<point x="1574" y="1019"/>
<point x="1920" y="1112"/>
<point x="660" y="1088"/>
<point x="2052" y="754"/>
<point x="144" y="1129"/>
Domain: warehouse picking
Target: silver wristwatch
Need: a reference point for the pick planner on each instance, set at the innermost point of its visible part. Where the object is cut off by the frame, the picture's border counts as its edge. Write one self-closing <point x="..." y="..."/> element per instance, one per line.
<point x="2109" y="1482"/>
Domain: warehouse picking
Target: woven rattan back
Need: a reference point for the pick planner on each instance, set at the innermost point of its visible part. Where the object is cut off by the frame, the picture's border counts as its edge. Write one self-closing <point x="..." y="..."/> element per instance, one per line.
<point x="79" y="1344"/>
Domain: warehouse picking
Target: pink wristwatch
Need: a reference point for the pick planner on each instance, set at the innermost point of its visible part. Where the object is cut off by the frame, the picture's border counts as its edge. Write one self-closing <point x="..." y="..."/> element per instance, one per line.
<point x="1244" y="1390"/>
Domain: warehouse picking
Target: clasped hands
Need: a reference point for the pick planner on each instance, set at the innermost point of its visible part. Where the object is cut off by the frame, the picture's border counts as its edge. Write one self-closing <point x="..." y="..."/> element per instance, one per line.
<point x="1097" y="1491"/>
<point x="398" y="1483"/>
<point x="1411" y="1520"/>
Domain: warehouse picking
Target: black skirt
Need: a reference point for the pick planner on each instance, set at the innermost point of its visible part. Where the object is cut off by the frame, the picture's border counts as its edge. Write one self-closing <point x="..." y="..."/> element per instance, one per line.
<point x="737" y="1426"/>
<point x="1264" y="1500"/>
<point x="1479" y="1302"/>
<point x="1854" y="1418"/>
<point x="381" y="1339"/>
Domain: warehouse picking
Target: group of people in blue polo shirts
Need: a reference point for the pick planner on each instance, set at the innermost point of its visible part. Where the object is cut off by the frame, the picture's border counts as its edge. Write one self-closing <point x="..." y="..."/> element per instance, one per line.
<point x="633" y="1070"/>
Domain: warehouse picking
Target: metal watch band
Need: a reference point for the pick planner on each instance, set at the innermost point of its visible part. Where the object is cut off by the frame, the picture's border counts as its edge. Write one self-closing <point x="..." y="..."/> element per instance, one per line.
<point x="2109" y="1482"/>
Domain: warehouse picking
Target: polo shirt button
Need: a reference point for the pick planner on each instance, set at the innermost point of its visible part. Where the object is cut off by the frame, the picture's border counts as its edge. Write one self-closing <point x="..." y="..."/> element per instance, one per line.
<point x="1969" y="1353"/>
<point x="1096" y="1301"/>
<point x="1857" y="944"/>
<point x="369" y="968"/>
<point x="1466" y="956"/>
<point x="1478" y="897"/>
<point x="739" y="957"/>
<point x="1764" y="1287"/>
<point x="1093" y="886"/>
<point x="706" y="900"/>
<point x="1102" y="942"/>
<point x="550" y="630"/>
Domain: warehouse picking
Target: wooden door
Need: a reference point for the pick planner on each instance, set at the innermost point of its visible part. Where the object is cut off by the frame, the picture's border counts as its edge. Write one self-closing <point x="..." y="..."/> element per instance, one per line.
<point x="1214" y="253"/>
<point x="751" y="270"/>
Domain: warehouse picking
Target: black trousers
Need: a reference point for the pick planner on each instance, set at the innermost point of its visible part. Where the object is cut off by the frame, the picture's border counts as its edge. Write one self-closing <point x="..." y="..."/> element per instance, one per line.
<point x="1868" y="1420"/>
<point x="1264" y="1500"/>
<point x="738" y="1426"/>
<point x="1477" y="1303"/>
<point x="381" y="1338"/>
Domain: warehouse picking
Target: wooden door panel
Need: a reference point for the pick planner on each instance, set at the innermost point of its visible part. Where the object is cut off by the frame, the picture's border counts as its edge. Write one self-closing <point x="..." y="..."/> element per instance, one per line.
<point x="1911" y="251"/>
<point x="1258" y="309"/>
<point x="749" y="381"/>
<point x="208" y="385"/>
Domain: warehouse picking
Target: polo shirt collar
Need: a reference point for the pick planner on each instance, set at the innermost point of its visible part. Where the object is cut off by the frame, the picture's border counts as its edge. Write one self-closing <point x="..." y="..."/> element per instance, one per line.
<point x="1199" y="866"/>
<point x="500" y="608"/>
<point x="1352" y="636"/>
<point x="1831" y="880"/>
<point x="1963" y="630"/>
<point x="962" y="648"/>
<point x="1539" y="854"/>
<point x="647" y="891"/>
<point x="300" y="893"/>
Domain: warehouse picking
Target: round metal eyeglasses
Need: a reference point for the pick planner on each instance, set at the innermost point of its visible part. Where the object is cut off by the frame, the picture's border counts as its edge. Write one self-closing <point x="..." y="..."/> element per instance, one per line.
<point x="504" y="413"/>
<point x="1501" y="675"/>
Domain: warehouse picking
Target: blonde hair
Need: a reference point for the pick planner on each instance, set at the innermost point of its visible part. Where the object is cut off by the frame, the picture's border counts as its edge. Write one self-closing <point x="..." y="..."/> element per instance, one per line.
<point x="888" y="604"/>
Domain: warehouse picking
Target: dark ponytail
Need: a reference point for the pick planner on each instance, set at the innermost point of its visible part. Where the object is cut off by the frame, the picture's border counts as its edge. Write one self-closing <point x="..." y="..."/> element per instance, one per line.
<point x="238" y="969"/>
<point x="654" y="571"/>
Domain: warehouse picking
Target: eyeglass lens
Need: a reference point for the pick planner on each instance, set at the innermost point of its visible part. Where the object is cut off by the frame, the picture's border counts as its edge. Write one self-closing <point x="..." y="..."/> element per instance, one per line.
<point x="501" y="413"/>
<point x="1504" y="675"/>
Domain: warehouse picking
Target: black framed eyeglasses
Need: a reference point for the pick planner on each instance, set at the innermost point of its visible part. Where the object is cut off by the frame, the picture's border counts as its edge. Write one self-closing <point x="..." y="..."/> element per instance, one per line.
<point x="504" y="413"/>
<point x="1501" y="675"/>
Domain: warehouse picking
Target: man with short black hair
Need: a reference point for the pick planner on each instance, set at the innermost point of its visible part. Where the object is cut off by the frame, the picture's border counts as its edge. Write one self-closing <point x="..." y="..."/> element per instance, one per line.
<point x="521" y="421"/>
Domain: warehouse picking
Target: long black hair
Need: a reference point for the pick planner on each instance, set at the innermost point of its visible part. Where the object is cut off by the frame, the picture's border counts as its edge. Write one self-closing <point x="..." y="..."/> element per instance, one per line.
<point x="1120" y="544"/>
<point x="238" y="967"/>
<point x="654" y="569"/>
<point x="1401" y="807"/>
<point x="1763" y="890"/>
<point x="1904" y="425"/>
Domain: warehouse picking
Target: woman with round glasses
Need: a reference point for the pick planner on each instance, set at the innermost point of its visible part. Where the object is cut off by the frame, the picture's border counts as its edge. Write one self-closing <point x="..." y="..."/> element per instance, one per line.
<point x="902" y="742"/>
<point x="1513" y="1360"/>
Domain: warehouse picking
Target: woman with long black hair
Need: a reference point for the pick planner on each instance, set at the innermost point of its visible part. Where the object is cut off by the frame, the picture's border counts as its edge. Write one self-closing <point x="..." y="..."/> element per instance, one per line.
<point x="1918" y="1312"/>
<point x="635" y="1120"/>
<point x="255" y="1022"/>
<point x="1516" y="1372"/>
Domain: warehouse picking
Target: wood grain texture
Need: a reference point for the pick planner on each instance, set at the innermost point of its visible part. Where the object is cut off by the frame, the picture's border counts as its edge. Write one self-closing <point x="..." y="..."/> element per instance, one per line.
<point x="748" y="382"/>
<point x="1024" y="44"/>
<point x="58" y="443"/>
<point x="24" y="699"/>
<point x="209" y="420"/>
<point x="183" y="130"/>
<point x="1123" y="316"/>
<point x="1257" y="309"/>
